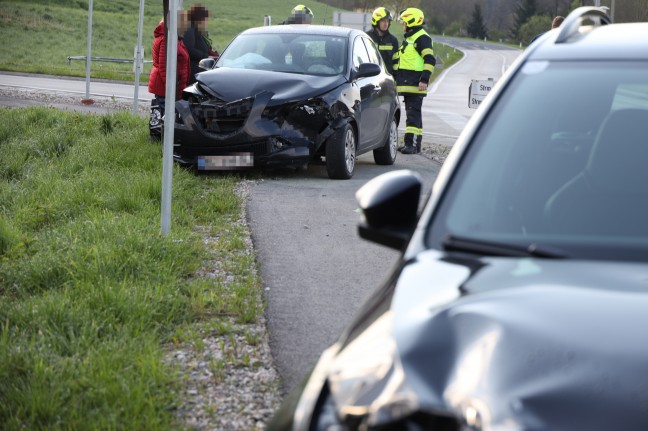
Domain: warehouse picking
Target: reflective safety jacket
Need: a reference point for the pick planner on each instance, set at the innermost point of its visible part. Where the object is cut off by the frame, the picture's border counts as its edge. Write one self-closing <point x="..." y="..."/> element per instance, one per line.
<point x="414" y="61"/>
<point x="387" y="45"/>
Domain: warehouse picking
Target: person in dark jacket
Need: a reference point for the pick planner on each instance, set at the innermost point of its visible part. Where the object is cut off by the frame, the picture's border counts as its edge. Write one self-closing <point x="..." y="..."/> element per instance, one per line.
<point x="413" y="65"/>
<point x="196" y="39"/>
<point x="379" y="33"/>
<point x="157" y="78"/>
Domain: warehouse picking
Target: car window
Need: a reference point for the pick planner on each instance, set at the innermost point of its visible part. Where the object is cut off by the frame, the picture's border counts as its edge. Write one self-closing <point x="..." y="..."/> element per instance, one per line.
<point x="360" y="54"/>
<point x="560" y="161"/>
<point x="374" y="55"/>
<point x="292" y="53"/>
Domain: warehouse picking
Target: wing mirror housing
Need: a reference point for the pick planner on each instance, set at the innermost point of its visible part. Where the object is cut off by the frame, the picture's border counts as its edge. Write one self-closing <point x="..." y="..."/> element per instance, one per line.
<point x="207" y="63"/>
<point x="389" y="205"/>
<point x="366" y="70"/>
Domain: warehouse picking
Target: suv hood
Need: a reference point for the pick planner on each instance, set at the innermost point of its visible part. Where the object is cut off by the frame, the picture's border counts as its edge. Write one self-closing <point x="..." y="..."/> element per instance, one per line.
<point x="521" y="343"/>
<point x="234" y="84"/>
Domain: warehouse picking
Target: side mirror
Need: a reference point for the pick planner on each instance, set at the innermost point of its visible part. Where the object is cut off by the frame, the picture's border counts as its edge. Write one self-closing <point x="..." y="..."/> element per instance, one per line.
<point x="389" y="204"/>
<point x="366" y="70"/>
<point x="207" y="63"/>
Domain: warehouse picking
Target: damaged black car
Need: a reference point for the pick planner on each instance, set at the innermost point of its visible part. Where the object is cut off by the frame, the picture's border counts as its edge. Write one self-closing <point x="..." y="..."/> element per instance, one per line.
<point x="520" y="302"/>
<point x="290" y="95"/>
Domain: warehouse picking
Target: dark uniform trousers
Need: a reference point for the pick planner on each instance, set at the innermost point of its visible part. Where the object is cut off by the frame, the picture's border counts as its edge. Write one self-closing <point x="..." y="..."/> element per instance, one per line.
<point x="414" y="119"/>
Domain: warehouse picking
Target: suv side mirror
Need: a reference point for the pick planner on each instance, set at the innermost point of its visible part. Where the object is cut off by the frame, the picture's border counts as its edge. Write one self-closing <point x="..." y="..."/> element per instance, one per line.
<point x="389" y="204"/>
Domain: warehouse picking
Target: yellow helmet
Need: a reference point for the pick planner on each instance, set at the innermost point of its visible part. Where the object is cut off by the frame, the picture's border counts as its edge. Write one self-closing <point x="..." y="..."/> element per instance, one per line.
<point x="378" y="14"/>
<point x="301" y="9"/>
<point x="412" y="17"/>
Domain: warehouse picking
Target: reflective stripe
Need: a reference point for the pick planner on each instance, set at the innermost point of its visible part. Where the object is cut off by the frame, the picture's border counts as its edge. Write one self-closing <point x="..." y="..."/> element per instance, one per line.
<point x="409" y="89"/>
<point x="386" y="47"/>
<point x="414" y="130"/>
<point x="427" y="51"/>
<point x="429" y="68"/>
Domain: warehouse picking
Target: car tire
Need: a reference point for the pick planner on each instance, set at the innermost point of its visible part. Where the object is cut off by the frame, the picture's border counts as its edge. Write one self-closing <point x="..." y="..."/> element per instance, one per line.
<point x="341" y="153"/>
<point x="386" y="155"/>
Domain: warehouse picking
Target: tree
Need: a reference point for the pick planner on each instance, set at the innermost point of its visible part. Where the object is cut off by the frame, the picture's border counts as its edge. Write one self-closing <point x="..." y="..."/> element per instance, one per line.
<point x="476" y="27"/>
<point x="535" y="25"/>
<point x="524" y="10"/>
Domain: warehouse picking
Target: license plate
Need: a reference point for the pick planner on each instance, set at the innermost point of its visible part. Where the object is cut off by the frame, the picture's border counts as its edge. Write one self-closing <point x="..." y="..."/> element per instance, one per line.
<point x="225" y="162"/>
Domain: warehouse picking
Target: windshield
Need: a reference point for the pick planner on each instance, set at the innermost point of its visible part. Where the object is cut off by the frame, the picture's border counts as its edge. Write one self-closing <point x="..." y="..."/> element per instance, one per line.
<point x="287" y="52"/>
<point x="561" y="161"/>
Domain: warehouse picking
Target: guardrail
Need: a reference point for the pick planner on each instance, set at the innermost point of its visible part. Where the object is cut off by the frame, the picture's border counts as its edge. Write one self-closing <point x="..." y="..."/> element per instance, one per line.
<point x="107" y="59"/>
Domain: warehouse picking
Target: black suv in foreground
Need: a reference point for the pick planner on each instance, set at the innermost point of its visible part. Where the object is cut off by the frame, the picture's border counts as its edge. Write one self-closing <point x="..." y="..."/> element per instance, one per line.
<point x="521" y="299"/>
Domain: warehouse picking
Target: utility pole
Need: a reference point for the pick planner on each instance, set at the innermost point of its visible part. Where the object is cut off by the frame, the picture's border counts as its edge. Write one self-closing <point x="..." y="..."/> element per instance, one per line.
<point x="171" y="36"/>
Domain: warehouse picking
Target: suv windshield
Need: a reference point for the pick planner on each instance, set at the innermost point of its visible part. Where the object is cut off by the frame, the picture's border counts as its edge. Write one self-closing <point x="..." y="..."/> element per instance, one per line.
<point x="294" y="53"/>
<point x="561" y="161"/>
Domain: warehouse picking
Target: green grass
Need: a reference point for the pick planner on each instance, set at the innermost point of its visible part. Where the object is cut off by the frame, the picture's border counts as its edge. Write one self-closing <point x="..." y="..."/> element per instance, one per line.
<point x="447" y="55"/>
<point x="53" y="30"/>
<point x="43" y="33"/>
<point x="90" y="290"/>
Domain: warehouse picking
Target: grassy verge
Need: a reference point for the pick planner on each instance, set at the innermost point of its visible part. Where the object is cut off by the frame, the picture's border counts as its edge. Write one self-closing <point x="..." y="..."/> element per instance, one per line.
<point x="447" y="55"/>
<point x="90" y="291"/>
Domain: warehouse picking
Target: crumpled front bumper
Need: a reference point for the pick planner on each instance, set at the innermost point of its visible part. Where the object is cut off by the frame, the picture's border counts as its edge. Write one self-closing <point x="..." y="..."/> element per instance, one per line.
<point x="243" y="127"/>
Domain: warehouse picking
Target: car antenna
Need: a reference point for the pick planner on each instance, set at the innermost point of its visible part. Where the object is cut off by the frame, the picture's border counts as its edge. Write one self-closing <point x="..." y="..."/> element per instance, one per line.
<point x="325" y="10"/>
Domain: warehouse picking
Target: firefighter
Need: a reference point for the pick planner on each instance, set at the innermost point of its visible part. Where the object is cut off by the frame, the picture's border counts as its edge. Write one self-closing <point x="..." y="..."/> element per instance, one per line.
<point x="386" y="42"/>
<point x="413" y="65"/>
<point x="300" y="15"/>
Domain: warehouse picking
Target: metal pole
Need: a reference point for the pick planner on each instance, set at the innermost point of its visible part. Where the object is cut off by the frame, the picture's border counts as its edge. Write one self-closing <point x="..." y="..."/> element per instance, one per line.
<point x="139" y="60"/>
<point x="89" y="50"/>
<point x="169" y="114"/>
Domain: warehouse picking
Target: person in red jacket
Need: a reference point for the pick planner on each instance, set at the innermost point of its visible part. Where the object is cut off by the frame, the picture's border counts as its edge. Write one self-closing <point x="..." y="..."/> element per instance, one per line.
<point x="157" y="79"/>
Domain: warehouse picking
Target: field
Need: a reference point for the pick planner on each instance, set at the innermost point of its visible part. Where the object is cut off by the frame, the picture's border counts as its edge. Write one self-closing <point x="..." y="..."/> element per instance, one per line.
<point x="44" y="33"/>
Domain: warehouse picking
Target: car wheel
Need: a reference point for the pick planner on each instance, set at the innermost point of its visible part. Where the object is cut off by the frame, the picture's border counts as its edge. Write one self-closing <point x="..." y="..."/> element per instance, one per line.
<point x="386" y="155"/>
<point x="341" y="153"/>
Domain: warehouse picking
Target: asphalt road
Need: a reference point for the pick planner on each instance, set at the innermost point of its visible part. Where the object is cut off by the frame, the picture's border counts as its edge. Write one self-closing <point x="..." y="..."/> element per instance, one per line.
<point x="316" y="270"/>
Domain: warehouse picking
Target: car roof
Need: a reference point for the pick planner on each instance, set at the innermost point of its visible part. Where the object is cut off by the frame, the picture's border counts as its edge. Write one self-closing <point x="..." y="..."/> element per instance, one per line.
<point x="327" y="30"/>
<point x="606" y="42"/>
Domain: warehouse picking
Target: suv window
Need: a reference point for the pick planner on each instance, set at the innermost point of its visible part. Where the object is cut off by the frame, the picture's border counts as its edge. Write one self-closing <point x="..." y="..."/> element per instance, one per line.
<point x="561" y="161"/>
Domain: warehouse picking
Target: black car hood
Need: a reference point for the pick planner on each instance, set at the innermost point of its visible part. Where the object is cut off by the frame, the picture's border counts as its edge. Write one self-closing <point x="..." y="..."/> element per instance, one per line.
<point x="525" y="343"/>
<point x="233" y="84"/>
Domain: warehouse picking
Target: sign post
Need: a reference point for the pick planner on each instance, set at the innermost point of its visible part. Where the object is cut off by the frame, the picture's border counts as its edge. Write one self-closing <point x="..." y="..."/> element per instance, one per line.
<point x="170" y="6"/>
<point x="88" y="100"/>
<point x="139" y="57"/>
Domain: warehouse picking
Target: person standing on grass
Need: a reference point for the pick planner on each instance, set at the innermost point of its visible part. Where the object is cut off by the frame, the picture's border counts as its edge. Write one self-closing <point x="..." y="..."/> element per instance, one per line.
<point x="197" y="40"/>
<point x="385" y="41"/>
<point x="413" y="65"/>
<point x="157" y="79"/>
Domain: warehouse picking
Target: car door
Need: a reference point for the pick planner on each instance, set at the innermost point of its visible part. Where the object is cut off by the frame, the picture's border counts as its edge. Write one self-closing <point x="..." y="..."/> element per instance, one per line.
<point x="372" y="119"/>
